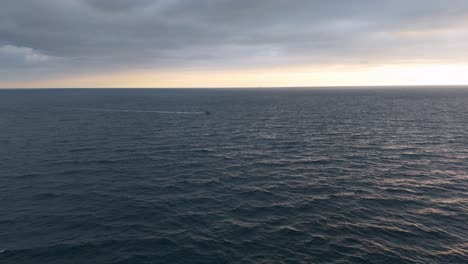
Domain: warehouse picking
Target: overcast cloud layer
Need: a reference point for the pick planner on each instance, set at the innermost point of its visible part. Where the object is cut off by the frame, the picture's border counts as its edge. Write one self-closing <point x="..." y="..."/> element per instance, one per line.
<point x="63" y="37"/>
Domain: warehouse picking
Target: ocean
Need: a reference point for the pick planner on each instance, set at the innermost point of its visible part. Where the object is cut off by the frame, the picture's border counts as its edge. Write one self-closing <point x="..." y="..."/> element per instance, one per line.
<point x="234" y="175"/>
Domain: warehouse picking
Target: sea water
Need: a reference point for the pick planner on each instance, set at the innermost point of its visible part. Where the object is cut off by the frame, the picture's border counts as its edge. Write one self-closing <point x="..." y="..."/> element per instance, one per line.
<point x="234" y="176"/>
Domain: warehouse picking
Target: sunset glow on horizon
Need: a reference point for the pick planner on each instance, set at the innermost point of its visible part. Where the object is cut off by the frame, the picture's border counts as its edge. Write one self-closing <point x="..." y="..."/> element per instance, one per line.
<point x="385" y="75"/>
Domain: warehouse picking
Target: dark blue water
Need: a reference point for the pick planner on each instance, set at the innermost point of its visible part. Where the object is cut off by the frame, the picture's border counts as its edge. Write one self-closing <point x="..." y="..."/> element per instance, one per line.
<point x="270" y="176"/>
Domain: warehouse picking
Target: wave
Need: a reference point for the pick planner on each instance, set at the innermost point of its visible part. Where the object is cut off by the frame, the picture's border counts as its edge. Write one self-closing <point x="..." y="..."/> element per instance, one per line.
<point x="137" y="111"/>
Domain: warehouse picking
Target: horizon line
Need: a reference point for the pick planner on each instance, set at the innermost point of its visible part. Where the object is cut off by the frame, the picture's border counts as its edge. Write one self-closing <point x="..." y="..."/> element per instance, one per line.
<point x="255" y="87"/>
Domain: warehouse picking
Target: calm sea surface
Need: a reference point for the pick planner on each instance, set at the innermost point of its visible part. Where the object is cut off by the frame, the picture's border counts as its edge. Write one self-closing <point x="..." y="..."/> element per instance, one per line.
<point x="269" y="176"/>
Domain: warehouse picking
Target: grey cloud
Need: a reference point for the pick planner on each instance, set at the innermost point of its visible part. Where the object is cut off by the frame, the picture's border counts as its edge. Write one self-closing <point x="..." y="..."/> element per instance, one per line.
<point x="13" y="55"/>
<point x="96" y="34"/>
<point x="117" y="5"/>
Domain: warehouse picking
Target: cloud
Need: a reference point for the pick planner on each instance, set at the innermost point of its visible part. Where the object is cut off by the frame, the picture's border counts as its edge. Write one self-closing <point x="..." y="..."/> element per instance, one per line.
<point x="10" y="54"/>
<point x="117" y="5"/>
<point x="100" y="35"/>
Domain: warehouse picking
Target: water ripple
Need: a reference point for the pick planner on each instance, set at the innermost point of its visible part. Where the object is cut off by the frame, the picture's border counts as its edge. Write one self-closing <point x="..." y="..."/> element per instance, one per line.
<point x="269" y="177"/>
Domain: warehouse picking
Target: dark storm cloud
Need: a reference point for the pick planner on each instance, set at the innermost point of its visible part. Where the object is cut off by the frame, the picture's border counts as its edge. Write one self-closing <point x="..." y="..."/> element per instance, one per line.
<point x="79" y="35"/>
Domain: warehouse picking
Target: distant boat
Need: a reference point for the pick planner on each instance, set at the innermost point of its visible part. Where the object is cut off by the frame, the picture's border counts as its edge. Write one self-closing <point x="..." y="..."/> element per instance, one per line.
<point x="207" y="113"/>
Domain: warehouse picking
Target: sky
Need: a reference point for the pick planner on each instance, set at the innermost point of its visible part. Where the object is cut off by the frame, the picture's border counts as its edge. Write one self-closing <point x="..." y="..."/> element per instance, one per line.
<point x="232" y="43"/>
